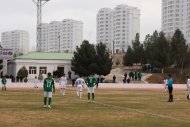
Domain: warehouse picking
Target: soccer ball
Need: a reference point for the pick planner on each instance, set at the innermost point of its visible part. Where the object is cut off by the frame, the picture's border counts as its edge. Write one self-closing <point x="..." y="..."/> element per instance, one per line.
<point x="188" y="97"/>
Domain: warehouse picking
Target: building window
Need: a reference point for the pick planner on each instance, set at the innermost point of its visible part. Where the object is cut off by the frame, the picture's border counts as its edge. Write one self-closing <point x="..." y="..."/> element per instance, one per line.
<point x="43" y="70"/>
<point x="32" y="70"/>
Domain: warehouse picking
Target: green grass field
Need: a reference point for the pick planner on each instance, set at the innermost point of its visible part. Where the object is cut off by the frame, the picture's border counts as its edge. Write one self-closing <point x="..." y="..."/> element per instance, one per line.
<point x="112" y="108"/>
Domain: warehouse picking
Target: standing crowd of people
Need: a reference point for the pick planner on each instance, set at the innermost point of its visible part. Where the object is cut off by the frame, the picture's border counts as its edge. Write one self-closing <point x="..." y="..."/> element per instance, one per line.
<point x="132" y="76"/>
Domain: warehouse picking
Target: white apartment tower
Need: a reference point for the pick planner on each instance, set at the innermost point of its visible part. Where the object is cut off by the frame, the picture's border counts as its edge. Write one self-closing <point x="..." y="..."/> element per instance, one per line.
<point x="18" y="40"/>
<point x="176" y="14"/>
<point x="118" y="27"/>
<point x="60" y="36"/>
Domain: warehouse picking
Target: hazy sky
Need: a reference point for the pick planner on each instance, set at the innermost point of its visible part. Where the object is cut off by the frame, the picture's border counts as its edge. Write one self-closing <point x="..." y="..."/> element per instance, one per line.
<point x="21" y="15"/>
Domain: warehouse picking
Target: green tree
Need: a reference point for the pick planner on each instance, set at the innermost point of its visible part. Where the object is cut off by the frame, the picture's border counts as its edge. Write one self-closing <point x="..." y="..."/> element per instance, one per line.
<point x="138" y="51"/>
<point x="160" y="51"/>
<point x="84" y="60"/>
<point x="23" y="72"/>
<point x="179" y="49"/>
<point x="90" y="59"/>
<point x="128" y="57"/>
<point x="148" y="48"/>
<point x="187" y="60"/>
<point x="103" y="60"/>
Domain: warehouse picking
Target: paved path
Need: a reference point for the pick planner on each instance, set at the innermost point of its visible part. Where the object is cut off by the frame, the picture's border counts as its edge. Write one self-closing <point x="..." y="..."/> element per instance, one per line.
<point x="104" y="85"/>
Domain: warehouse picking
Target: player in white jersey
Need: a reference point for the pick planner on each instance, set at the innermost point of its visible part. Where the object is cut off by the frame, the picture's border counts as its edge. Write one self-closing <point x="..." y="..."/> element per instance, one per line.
<point x="36" y="88"/>
<point x="165" y="83"/>
<point x="79" y="83"/>
<point x="188" y="83"/>
<point x="63" y="83"/>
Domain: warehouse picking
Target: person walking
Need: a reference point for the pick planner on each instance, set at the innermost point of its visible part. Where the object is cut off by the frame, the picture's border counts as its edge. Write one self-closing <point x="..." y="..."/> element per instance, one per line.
<point x="114" y="78"/>
<point x="49" y="87"/>
<point x="79" y="84"/>
<point x="91" y="82"/>
<point x="170" y="88"/>
<point x="188" y="83"/>
<point x="4" y="82"/>
<point x="63" y="84"/>
<point x="36" y="87"/>
<point x="165" y="84"/>
<point x="69" y="74"/>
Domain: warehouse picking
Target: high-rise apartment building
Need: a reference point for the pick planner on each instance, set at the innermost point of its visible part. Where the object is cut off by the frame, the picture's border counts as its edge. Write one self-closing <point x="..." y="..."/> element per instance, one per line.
<point x="18" y="40"/>
<point x="176" y="14"/>
<point x="60" y="36"/>
<point x="117" y="27"/>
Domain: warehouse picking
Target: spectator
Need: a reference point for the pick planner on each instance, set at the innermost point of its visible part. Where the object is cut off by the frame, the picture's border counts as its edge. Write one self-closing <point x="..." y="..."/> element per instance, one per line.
<point x="69" y="73"/>
<point x="114" y="78"/>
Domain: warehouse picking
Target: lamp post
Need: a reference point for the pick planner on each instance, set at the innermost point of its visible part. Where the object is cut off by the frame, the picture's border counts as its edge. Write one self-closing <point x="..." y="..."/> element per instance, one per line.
<point x="59" y="41"/>
<point x="113" y="46"/>
<point x="39" y="4"/>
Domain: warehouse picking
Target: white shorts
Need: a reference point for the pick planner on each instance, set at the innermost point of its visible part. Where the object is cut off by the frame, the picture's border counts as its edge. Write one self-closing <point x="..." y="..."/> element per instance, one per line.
<point x="90" y="89"/>
<point x="3" y="85"/>
<point x="63" y="86"/>
<point x="47" y="94"/>
<point x="188" y="87"/>
<point x="79" y="88"/>
<point x="35" y="86"/>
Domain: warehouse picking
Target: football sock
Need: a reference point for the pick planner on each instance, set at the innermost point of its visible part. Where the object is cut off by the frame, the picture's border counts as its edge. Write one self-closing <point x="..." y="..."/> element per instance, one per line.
<point x="49" y="101"/>
<point x="45" y="100"/>
<point x="88" y="96"/>
<point x="92" y="96"/>
<point x="172" y="98"/>
<point x="80" y="94"/>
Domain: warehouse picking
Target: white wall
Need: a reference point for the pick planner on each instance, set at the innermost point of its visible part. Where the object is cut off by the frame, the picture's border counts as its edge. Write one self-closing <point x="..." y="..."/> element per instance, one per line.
<point x="50" y="64"/>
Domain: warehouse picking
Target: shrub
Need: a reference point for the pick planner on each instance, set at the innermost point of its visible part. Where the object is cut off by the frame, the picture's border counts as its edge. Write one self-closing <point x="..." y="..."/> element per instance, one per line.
<point x="23" y="72"/>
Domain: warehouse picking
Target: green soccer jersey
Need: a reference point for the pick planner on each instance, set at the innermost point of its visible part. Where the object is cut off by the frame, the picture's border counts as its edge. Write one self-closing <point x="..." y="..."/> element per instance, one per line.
<point x="49" y="85"/>
<point x="91" y="81"/>
<point x="4" y="81"/>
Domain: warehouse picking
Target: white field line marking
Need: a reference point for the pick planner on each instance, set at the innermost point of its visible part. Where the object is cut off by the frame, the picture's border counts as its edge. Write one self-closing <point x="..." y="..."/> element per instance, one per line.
<point x="139" y="111"/>
<point x="143" y="112"/>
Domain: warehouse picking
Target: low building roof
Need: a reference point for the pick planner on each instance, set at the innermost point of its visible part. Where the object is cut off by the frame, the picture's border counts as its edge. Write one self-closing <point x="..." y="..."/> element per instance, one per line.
<point x="45" y="56"/>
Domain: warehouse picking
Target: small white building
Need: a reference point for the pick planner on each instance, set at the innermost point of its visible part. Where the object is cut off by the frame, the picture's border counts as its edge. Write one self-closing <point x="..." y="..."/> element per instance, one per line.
<point x="40" y="62"/>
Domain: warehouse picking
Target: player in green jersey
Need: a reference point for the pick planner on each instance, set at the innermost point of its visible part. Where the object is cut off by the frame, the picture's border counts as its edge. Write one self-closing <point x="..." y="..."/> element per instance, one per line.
<point x="91" y="82"/>
<point x="4" y="82"/>
<point x="49" y="87"/>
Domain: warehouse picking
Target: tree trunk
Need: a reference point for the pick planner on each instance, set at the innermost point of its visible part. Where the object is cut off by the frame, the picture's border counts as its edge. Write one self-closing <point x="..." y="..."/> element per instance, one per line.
<point x="182" y="62"/>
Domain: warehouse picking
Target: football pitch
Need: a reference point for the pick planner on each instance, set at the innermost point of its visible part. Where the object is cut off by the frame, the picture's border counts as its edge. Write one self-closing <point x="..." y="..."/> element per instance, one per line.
<point x="112" y="108"/>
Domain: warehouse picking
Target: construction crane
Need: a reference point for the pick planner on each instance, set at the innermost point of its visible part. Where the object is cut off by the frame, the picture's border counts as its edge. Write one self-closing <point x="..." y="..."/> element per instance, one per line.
<point x="39" y="4"/>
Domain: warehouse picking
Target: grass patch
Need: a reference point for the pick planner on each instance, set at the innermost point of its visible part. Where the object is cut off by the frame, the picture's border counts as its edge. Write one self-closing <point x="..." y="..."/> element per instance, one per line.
<point x="113" y="108"/>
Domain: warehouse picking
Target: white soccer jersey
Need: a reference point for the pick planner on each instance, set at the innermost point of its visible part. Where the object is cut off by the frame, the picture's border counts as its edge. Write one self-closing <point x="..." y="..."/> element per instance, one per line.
<point x="166" y="82"/>
<point x="188" y="84"/>
<point x="63" y="80"/>
<point x="79" y="82"/>
<point x="188" y="81"/>
<point x="35" y="83"/>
